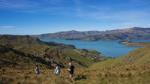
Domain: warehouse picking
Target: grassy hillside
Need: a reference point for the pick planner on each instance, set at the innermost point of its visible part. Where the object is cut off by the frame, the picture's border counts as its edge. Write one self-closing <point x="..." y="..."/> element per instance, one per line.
<point x="134" y="68"/>
<point x="19" y="54"/>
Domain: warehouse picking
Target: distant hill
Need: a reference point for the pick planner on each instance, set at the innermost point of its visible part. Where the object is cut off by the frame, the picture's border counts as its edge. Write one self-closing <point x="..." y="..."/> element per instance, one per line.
<point x="118" y="34"/>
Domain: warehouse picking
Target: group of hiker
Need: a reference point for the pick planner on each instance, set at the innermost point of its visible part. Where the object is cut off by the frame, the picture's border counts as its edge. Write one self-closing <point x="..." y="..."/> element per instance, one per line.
<point x="57" y="70"/>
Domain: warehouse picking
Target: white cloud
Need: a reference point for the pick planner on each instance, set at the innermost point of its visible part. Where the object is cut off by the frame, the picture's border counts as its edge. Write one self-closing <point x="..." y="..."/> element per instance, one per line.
<point x="13" y="4"/>
<point x="7" y="27"/>
<point x="81" y="9"/>
<point x="52" y="7"/>
<point x="30" y="4"/>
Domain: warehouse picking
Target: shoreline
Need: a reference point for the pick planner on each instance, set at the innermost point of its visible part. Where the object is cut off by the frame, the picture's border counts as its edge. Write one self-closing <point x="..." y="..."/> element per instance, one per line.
<point x="136" y="44"/>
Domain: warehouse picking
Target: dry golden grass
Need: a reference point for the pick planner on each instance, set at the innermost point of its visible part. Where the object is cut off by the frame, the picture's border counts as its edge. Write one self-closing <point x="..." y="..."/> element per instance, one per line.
<point x="133" y="68"/>
<point x="28" y="76"/>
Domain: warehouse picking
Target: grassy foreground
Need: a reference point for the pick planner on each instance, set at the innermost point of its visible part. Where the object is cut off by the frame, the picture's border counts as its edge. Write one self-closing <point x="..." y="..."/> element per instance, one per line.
<point x="28" y="76"/>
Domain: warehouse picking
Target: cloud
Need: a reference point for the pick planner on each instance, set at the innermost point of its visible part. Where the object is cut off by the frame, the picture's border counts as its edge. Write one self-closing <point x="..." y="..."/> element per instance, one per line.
<point x="124" y="18"/>
<point x="125" y="14"/>
<point x="14" y="4"/>
<point x="7" y="27"/>
<point x="82" y="9"/>
<point x="30" y="4"/>
<point x="51" y="7"/>
<point x="122" y="15"/>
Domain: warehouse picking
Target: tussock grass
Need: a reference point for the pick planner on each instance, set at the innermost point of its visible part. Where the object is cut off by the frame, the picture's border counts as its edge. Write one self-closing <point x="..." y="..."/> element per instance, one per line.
<point x="17" y="68"/>
<point x="134" y="68"/>
<point x="28" y="76"/>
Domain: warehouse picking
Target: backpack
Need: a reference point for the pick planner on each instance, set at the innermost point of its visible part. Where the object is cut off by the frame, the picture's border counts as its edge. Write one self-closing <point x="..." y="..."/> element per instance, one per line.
<point x="57" y="70"/>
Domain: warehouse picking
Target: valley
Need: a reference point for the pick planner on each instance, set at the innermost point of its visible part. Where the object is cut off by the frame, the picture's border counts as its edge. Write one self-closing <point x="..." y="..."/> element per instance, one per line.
<point x="19" y="54"/>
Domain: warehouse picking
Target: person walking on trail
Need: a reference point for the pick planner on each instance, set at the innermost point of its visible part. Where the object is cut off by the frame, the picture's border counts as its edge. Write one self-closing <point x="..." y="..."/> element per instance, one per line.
<point x="37" y="69"/>
<point x="57" y="70"/>
<point x="71" y="70"/>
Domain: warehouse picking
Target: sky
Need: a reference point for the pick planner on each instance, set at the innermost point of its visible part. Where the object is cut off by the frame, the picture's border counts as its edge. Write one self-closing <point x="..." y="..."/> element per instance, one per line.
<point x="48" y="16"/>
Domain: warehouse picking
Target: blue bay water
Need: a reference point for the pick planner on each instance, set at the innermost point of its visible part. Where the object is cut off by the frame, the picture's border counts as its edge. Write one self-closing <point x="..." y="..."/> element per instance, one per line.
<point x="109" y="48"/>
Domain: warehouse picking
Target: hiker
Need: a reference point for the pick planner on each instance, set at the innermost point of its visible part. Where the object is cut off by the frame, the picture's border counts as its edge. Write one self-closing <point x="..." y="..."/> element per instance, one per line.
<point x="71" y="70"/>
<point x="57" y="70"/>
<point x="37" y="69"/>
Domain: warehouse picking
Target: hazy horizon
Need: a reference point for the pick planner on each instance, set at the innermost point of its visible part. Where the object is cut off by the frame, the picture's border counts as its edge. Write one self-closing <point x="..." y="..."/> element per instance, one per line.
<point x="29" y="17"/>
<point x="72" y="30"/>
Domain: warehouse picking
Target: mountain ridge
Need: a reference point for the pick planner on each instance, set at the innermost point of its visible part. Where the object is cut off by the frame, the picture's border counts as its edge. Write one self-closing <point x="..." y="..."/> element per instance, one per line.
<point x="117" y="34"/>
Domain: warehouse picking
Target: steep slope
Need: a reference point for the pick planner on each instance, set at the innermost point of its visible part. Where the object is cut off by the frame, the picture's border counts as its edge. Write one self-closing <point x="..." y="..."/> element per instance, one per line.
<point x="133" y="68"/>
<point x="28" y="49"/>
<point x="19" y="54"/>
